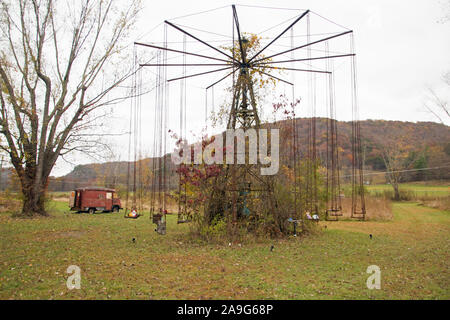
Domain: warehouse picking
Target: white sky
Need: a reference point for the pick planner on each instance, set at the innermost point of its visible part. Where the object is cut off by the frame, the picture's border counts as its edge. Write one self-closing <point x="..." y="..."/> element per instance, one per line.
<point x="401" y="50"/>
<point x="401" y="47"/>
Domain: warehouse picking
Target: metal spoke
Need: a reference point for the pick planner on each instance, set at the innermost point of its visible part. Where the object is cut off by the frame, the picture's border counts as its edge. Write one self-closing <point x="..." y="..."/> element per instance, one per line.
<point x="280" y="35"/>
<point x="222" y="79"/>
<point x="304" y="70"/>
<point x="198" y="74"/>
<point x="183" y="65"/>
<point x="179" y="51"/>
<point x="239" y="33"/>
<point x="304" y="46"/>
<point x="201" y="41"/>
<point x="272" y="76"/>
<point x="307" y="59"/>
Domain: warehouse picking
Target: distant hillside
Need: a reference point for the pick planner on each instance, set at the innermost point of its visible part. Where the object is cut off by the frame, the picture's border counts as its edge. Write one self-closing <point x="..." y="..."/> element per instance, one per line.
<point x="431" y="140"/>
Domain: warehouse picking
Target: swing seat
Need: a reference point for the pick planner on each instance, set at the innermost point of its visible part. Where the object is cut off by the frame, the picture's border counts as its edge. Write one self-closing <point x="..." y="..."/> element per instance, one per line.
<point x="130" y="215"/>
<point x="359" y="215"/>
<point x="133" y="217"/>
<point x="334" y="212"/>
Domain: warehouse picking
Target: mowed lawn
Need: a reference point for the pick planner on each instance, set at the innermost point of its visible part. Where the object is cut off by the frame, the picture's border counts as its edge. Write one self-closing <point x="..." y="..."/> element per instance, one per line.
<point x="412" y="252"/>
<point x="417" y="189"/>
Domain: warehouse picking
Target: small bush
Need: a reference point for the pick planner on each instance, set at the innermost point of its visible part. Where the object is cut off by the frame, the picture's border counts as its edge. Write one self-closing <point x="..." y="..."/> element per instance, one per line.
<point x="216" y="230"/>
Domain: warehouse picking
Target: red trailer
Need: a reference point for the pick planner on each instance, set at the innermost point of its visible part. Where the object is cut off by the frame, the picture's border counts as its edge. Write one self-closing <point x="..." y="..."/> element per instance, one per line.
<point x="92" y="199"/>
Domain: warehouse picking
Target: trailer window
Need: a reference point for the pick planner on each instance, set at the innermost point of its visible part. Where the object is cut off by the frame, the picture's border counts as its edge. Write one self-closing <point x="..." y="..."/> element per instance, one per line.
<point x="101" y="196"/>
<point x="109" y="195"/>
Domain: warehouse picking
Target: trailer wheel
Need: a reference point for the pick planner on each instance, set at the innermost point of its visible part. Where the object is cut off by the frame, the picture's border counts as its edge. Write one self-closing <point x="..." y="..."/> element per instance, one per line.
<point x="91" y="211"/>
<point x="115" y="209"/>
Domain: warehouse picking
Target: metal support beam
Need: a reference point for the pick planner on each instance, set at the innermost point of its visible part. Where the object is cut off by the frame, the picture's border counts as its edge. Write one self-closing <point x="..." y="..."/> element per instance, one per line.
<point x="280" y="35"/>
<point x="303" y="70"/>
<point x="198" y="74"/>
<point x="304" y="46"/>
<point x="178" y="51"/>
<point x="222" y="79"/>
<point x="183" y="65"/>
<point x="269" y="75"/>
<point x="236" y="20"/>
<point x="307" y="59"/>
<point x="201" y="41"/>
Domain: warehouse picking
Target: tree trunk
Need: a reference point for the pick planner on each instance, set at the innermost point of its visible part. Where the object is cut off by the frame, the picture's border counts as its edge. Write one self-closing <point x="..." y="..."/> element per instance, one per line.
<point x="396" y="192"/>
<point x="33" y="202"/>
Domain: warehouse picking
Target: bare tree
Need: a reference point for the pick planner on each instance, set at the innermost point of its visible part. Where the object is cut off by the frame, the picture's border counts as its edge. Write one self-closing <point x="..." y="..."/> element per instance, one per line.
<point x="445" y="4"/>
<point x="53" y="78"/>
<point x="436" y="105"/>
<point x="398" y="157"/>
<point x="394" y="165"/>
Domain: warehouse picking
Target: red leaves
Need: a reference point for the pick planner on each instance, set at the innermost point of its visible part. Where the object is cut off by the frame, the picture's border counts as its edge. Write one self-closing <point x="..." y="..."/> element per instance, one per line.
<point x="191" y="173"/>
<point x="285" y="107"/>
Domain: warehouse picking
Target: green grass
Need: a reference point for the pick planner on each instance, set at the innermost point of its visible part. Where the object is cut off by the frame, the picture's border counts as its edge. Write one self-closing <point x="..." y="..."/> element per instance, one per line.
<point x="412" y="252"/>
<point x="418" y="189"/>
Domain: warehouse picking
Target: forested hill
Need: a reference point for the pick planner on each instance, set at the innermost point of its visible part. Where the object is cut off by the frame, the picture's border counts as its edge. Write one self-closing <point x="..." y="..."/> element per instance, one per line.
<point x="428" y="142"/>
<point x="427" y="139"/>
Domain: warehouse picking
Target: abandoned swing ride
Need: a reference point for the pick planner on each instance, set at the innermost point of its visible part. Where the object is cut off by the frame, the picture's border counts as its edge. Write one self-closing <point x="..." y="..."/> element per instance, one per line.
<point x="238" y="193"/>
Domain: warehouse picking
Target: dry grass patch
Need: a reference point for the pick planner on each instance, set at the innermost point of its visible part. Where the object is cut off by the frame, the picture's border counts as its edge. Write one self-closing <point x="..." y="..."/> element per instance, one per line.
<point x="438" y="203"/>
<point x="412" y="222"/>
<point x="9" y="202"/>
<point x="378" y="209"/>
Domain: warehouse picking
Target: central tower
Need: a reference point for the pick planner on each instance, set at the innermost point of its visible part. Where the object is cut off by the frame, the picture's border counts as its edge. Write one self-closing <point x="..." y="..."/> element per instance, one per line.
<point x="241" y="192"/>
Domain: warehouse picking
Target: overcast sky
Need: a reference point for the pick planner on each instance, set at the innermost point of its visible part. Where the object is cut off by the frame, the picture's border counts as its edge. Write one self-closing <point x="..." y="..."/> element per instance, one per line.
<point x="402" y="47"/>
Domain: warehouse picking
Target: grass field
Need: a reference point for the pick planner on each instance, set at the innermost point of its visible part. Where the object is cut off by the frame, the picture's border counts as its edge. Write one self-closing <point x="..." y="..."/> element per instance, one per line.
<point x="417" y="189"/>
<point x="412" y="251"/>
